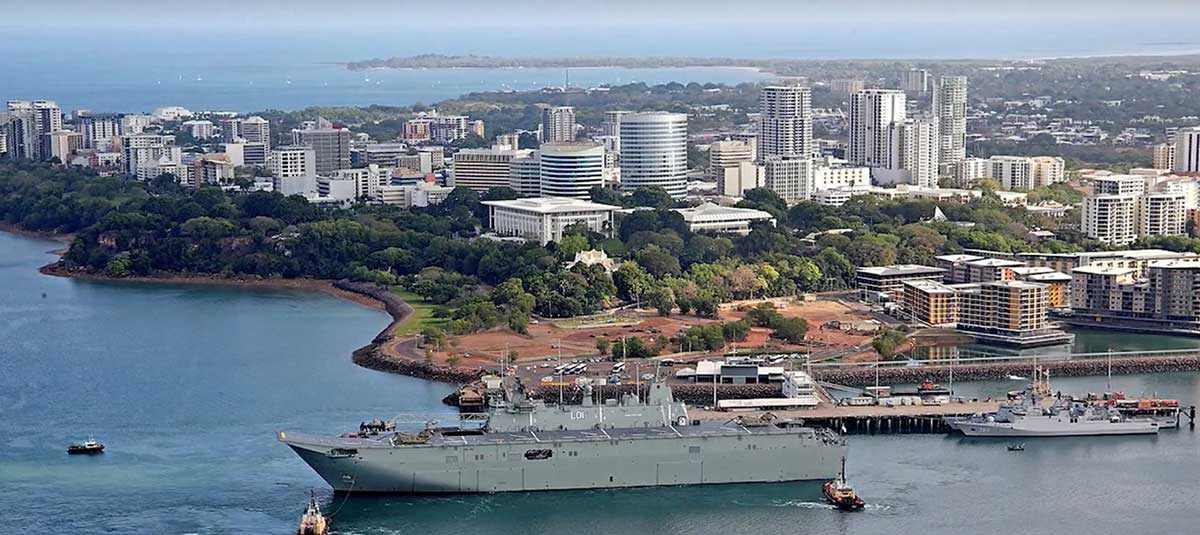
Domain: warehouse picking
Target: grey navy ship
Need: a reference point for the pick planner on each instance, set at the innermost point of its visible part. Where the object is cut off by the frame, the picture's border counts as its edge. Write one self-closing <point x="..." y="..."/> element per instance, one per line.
<point x="1027" y="416"/>
<point x="524" y="444"/>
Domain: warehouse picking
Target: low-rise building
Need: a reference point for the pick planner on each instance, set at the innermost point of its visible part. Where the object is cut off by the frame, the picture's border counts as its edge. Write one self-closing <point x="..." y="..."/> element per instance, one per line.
<point x="882" y="283"/>
<point x="543" y="219"/>
<point x="709" y="217"/>
<point x="1166" y="298"/>
<point x="1008" y="312"/>
<point x="929" y="302"/>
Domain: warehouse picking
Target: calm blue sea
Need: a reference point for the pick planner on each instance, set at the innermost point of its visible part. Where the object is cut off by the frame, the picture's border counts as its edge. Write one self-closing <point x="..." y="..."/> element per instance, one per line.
<point x="137" y="70"/>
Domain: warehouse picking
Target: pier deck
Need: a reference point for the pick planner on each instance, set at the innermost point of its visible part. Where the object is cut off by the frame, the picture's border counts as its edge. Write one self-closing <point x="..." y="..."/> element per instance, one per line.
<point x="869" y="419"/>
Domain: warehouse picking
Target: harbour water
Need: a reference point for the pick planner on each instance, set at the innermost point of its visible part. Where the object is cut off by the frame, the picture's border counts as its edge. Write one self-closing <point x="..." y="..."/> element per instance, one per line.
<point x="186" y="384"/>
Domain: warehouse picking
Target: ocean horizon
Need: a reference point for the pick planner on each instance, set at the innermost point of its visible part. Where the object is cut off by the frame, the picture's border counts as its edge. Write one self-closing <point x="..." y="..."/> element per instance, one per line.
<point x="244" y="71"/>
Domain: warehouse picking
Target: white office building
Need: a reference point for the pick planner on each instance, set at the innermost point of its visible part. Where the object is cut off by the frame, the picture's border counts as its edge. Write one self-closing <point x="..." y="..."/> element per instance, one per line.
<point x="709" y="217"/>
<point x="483" y="169"/>
<point x="789" y="177"/>
<point x="1164" y="156"/>
<point x="950" y="105"/>
<point x="654" y="152"/>
<point x="570" y="169"/>
<point x="543" y="219"/>
<point x="294" y="170"/>
<point x="872" y="113"/>
<point x="726" y="154"/>
<point x="785" y="126"/>
<point x="734" y="181"/>
<point x="525" y="175"/>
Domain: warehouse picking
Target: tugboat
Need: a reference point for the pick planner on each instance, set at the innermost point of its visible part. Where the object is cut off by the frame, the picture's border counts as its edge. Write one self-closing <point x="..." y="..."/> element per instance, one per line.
<point x="312" y="522"/>
<point x="91" y="447"/>
<point x="840" y="494"/>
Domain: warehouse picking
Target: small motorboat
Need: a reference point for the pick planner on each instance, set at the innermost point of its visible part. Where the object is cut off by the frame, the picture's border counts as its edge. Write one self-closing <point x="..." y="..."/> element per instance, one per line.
<point x="312" y="522"/>
<point x="1016" y="447"/>
<point x="91" y="447"/>
<point x="840" y="494"/>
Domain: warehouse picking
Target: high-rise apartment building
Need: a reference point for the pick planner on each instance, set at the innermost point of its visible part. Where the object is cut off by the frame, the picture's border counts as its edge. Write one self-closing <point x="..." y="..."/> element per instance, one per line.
<point x="950" y="105"/>
<point x="62" y="144"/>
<point x="915" y="81"/>
<point x="1187" y="150"/>
<point x="1162" y="214"/>
<point x="143" y="149"/>
<point x="1111" y="219"/>
<point x="872" y="113"/>
<point x="654" y="152"/>
<point x="914" y="149"/>
<point x="558" y="124"/>
<point x="98" y="129"/>
<point x="846" y="86"/>
<point x="570" y="169"/>
<point x="256" y="130"/>
<point x="28" y="123"/>
<point x="448" y="128"/>
<point x="785" y="127"/>
<point x="1164" y="156"/>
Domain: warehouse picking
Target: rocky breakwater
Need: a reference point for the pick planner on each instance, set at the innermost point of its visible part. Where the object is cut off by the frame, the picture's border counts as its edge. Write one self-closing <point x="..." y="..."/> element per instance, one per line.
<point x="985" y="372"/>
<point x="387" y="353"/>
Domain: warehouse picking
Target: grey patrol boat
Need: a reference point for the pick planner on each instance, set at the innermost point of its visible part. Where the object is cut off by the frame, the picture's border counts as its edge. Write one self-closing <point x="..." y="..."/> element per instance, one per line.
<point x="524" y="444"/>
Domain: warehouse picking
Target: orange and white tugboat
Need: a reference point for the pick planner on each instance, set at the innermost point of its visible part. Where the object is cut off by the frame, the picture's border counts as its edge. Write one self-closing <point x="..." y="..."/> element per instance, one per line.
<point x="841" y="494"/>
<point x="312" y="522"/>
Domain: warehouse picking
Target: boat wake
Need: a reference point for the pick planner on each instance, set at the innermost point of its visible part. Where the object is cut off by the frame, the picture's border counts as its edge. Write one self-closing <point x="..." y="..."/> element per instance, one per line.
<point x="822" y="505"/>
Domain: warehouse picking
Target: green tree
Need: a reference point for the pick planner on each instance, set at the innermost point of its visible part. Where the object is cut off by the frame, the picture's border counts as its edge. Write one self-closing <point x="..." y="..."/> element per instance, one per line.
<point x="792" y="330"/>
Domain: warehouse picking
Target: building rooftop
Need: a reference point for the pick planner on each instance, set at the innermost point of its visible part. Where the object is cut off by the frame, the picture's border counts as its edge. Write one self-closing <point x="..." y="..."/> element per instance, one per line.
<point x="901" y="269"/>
<point x="996" y="262"/>
<point x="552" y="205"/>
<point x="1028" y="271"/>
<point x="1176" y="263"/>
<point x="1052" y="276"/>
<point x="956" y="258"/>
<point x="929" y="287"/>
<point x="1104" y="270"/>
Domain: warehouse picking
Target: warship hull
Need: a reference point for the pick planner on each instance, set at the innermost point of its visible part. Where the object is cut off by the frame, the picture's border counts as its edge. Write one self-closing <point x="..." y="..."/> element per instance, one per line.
<point x="564" y="460"/>
<point x="1057" y="429"/>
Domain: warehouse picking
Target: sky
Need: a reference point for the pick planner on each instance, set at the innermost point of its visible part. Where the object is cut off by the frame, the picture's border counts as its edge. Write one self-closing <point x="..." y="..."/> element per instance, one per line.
<point x="398" y="15"/>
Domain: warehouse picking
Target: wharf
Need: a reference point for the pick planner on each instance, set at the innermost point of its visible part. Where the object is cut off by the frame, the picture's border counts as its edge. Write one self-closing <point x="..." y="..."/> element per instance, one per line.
<point x="873" y="419"/>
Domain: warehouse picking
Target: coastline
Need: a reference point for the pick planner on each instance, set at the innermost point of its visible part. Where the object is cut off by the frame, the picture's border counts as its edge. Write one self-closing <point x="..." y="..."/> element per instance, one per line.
<point x="764" y="66"/>
<point x="384" y="353"/>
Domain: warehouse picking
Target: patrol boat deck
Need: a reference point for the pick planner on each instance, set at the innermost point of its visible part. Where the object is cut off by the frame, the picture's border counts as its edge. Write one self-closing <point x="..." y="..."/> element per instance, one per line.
<point x="526" y="445"/>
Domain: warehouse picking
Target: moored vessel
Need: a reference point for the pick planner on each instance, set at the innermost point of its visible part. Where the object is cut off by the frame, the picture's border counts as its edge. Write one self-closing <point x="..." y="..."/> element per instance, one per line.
<point x="524" y="444"/>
